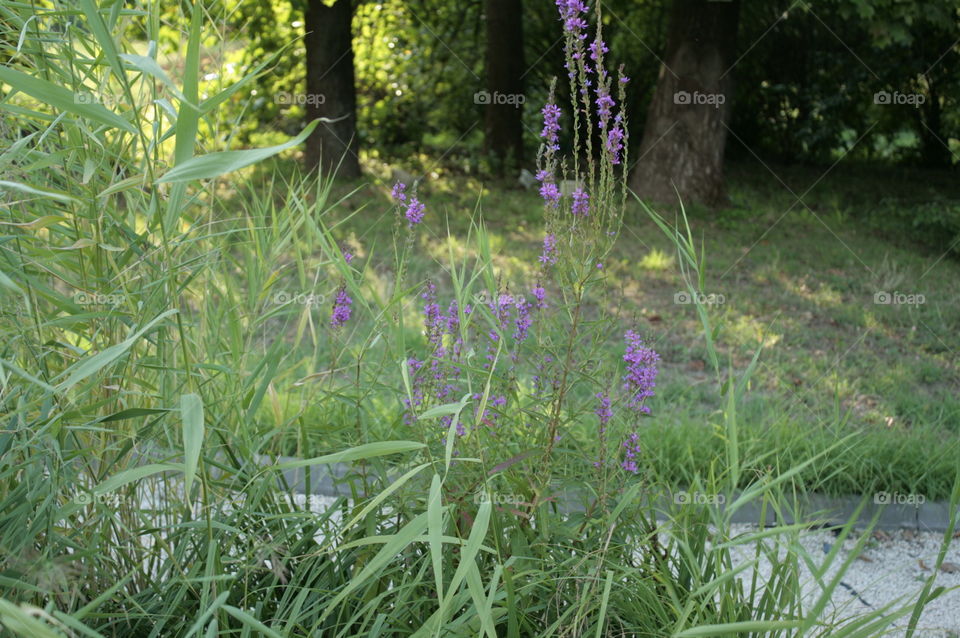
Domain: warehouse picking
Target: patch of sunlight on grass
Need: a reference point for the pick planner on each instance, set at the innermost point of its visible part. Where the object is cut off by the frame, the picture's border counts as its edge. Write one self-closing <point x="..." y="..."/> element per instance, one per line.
<point x="822" y="295"/>
<point x="750" y="331"/>
<point x="870" y="322"/>
<point x="656" y="259"/>
<point x="442" y="249"/>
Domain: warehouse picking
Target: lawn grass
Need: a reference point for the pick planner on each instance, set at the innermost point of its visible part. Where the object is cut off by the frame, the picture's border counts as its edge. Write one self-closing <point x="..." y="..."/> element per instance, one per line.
<point x="795" y="279"/>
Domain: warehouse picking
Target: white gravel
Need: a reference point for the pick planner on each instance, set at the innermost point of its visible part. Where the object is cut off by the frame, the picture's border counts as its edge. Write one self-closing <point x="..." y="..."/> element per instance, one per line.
<point x="892" y="566"/>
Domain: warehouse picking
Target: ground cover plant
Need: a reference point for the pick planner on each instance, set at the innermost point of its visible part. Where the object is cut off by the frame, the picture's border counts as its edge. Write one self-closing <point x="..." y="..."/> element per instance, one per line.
<point x="161" y="338"/>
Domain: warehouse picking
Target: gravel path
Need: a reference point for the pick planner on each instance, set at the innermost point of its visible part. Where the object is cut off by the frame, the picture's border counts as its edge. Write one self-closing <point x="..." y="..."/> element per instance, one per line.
<point x="892" y="566"/>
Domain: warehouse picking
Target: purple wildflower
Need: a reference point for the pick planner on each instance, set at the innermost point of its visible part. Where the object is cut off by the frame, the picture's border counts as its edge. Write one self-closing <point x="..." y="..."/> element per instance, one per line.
<point x="398" y="192"/>
<point x="641" y="376"/>
<point x="605" y="104"/>
<point x="581" y="203"/>
<point x="603" y="411"/>
<point x="551" y="126"/>
<point x="432" y="319"/>
<point x="597" y="49"/>
<point x="414" y="212"/>
<point x="523" y="321"/>
<point x="549" y="255"/>
<point x="550" y="194"/>
<point x="573" y="22"/>
<point x="341" y="308"/>
<point x="347" y="255"/>
<point x="540" y="295"/>
<point x="614" y="142"/>
<point x="632" y="447"/>
<point x="414" y="365"/>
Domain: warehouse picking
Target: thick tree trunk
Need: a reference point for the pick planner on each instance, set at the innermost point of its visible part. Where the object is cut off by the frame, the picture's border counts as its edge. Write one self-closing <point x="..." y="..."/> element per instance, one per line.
<point x="933" y="149"/>
<point x="331" y="92"/>
<point x="503" y="123"/>
<point x="685" y="132"/>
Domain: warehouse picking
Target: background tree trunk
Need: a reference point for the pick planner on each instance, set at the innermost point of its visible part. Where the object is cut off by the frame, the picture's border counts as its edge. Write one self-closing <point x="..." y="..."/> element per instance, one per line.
<point x="503" y="123"/>
<point x="934" y="152"/>
<point x="331" y="92"/>
<point x="685" y="132"/>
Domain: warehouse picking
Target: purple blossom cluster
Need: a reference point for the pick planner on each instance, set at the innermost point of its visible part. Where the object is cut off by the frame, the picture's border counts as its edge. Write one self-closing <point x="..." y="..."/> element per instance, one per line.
<point x="603" y="411"/>
<point x="490" y="417"/>
<point x="438" y="380"/>
<point x="549" y="255"/>
<point x="415" y="209"/>
<point x="581" y="203"/>
<point x="551" y="126"/>
<point x="433" y="321"/>
<point x="614" y="141"/>
<point x="548" y="190"/>
<point x="641" y="376"/>
<point x="631" y="449"/>
<point x="571" y="12"/>
<point x="437" y="377"/>
<point x="341" y="308"/>
<point x="540" y="295"/>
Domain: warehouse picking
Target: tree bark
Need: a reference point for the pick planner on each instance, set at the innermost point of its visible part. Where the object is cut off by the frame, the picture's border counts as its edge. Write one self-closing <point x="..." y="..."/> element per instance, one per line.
<point x="503" y="113"/>
<point x="934" y="152"/>
<point x="331" y="92"/>
<point x="685" y="132"/>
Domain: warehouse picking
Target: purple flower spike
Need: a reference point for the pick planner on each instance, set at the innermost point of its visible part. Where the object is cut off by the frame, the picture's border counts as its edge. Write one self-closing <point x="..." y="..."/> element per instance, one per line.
<point x="605" y="104"/>
<point x="598" y="48"/>
<point x="570" y="11"/>
<point x="414" y="212"/>
<point x="641" y="376"/>
<point x="550" y="194"/>
<point x="549" y="256"/>
<point x="398" y="192"/>
<point x="551" y="126"/>
<point x="581" y="203"/>
<point x="614" y="143"/>
<point x="523" y="320"/>
<point x="632" y="449"/>
<point x="540" y="295"/>
<point x="433" y="320"/>
<point x="603" y="411"/>
<point x="341" y="308"/>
